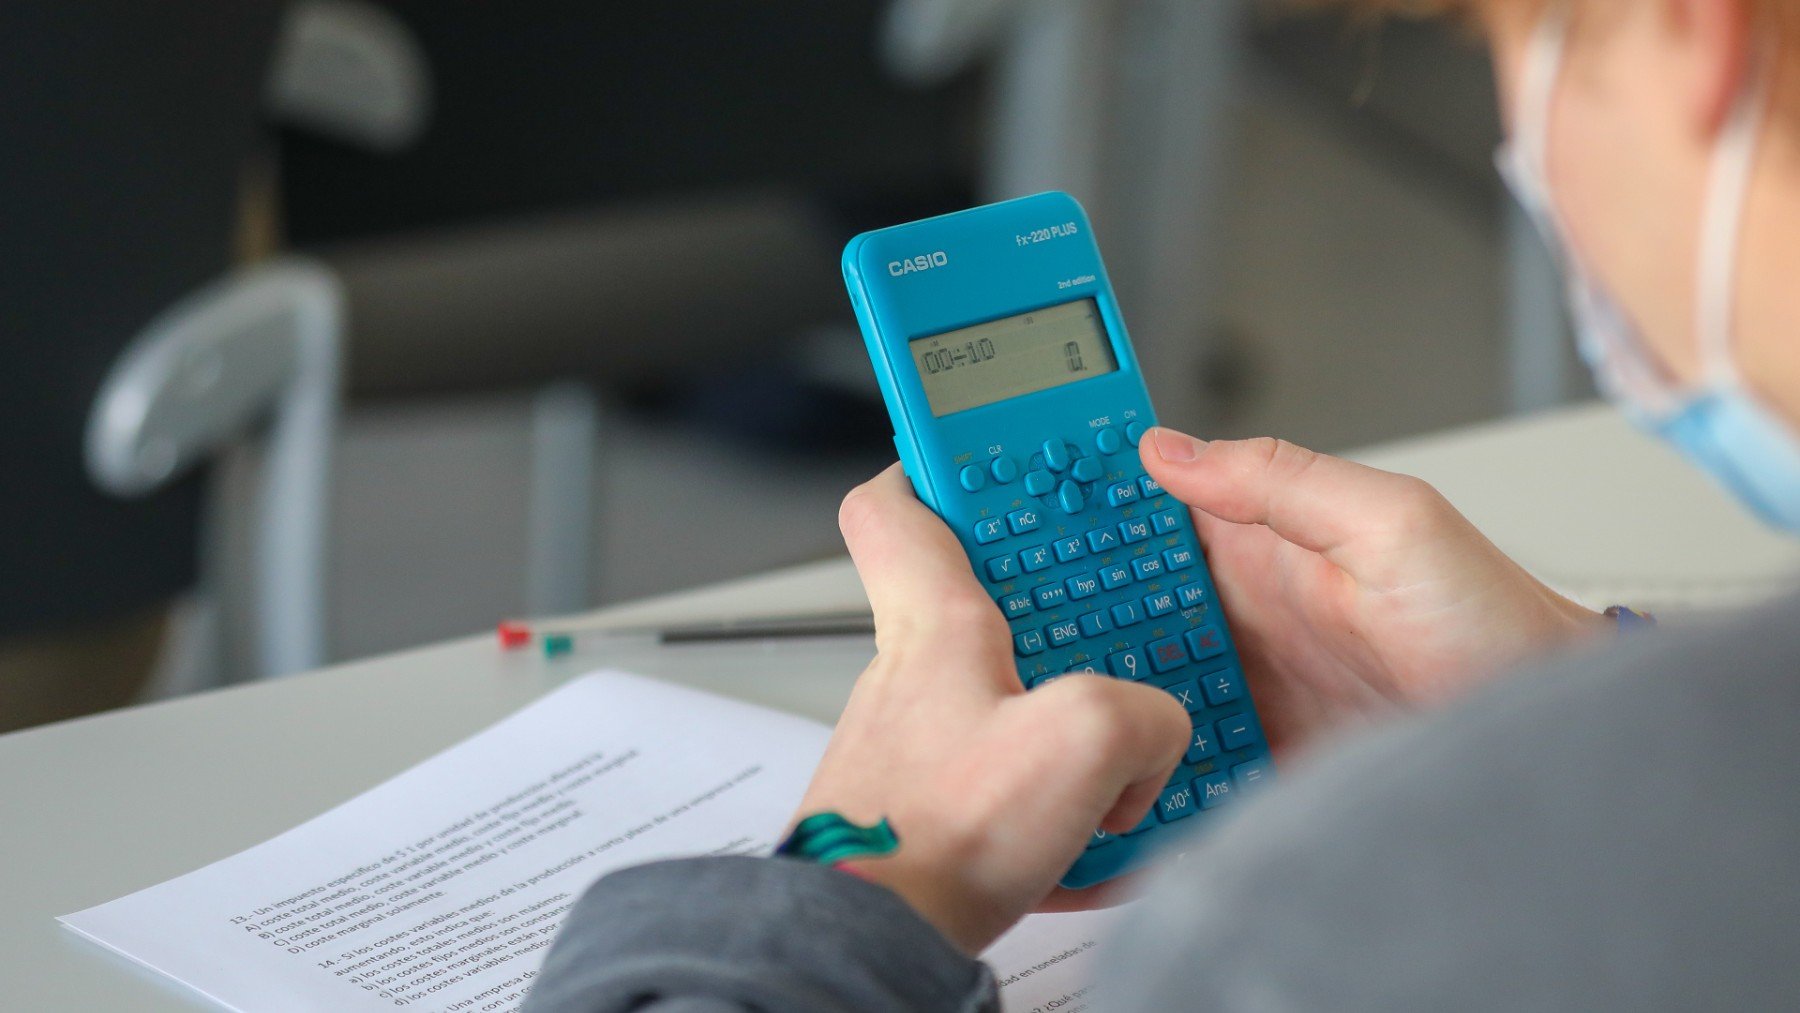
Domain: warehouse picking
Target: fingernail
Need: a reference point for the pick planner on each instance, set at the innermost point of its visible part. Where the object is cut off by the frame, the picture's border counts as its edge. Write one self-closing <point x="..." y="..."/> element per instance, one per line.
<point x="1175" y="447"/>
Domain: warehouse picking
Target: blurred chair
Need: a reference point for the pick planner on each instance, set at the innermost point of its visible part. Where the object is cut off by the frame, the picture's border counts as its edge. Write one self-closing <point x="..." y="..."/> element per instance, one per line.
<point x="628" y="197"/>
<point x="263" y="342"/>
<point x="250" y="364"/>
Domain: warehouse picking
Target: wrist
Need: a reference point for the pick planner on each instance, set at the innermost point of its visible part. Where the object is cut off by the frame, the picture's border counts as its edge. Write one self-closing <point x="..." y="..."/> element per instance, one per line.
<point x="947" y="906"/>
<point x="872" y="853"/>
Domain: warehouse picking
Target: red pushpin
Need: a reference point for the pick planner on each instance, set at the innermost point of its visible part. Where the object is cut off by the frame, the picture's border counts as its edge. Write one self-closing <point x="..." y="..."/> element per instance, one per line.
<point x="514" y="634"/>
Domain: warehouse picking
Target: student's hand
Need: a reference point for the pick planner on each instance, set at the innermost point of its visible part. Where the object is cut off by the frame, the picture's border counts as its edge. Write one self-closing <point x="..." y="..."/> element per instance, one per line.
<point x="1350" y="591"/>
<point x="993" y="792"/>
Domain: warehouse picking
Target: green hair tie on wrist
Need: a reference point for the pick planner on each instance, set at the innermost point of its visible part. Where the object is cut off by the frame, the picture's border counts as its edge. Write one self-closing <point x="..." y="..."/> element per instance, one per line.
<point x="828" y="838"/>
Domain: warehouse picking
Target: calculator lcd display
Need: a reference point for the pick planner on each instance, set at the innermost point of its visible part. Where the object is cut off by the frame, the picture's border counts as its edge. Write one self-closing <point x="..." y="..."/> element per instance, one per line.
<point x="973" y="366"/>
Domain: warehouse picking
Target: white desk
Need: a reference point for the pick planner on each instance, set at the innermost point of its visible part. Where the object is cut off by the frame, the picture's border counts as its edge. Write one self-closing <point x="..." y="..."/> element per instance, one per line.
<point x="98" y="807"/>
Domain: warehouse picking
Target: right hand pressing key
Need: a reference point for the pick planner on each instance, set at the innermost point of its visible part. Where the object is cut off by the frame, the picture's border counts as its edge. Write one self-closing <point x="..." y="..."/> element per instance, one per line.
<point x="992" y="791"/>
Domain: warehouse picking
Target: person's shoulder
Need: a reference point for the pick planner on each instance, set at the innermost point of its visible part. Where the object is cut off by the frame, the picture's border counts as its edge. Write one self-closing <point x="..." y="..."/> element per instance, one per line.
<point x="1617" y="824"/>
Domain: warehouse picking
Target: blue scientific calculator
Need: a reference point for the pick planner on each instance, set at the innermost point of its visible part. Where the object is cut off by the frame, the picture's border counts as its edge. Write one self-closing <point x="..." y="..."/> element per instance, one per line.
<point x="1017" y="407"/>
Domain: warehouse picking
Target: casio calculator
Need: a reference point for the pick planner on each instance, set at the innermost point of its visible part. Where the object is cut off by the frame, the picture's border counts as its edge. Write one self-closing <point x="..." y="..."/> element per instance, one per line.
<point x="1017" y="407"/>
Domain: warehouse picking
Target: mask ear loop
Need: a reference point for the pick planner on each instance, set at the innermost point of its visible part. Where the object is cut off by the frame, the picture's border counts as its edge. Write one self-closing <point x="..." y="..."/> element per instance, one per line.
<point x="1722" y="215"/>
<point x="1537" y="86"/>
<point x="1525" y="162"/>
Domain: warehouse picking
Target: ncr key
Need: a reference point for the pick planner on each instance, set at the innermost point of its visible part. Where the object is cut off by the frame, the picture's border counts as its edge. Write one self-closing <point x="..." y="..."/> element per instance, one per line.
<point x="1021" y="521"/>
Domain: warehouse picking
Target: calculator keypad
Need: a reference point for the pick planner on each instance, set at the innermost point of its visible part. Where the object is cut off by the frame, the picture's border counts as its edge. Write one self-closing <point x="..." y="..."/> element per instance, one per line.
<point x="1097" y="570"/>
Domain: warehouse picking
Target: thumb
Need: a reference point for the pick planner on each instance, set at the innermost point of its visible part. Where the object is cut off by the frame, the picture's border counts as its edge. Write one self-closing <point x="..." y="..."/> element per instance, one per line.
<point x="1318" y="502"/>
<point x="913" y="569"/>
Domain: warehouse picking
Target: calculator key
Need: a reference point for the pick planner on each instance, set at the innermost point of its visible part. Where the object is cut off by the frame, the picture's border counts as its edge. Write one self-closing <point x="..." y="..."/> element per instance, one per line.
<point x="1004" y="470"/>
<point x="1070" y="548"/>
<point x="1127" y="613"/>
<point x="1147" y="567"/>
<point x="1174" y="803"/>
<point x="1069" y="497"/>
<point x="1083" y="668"/>
<point x="1039" y="482"/>
<point x="1083" y="586"/>
<point x="1127" y="664"/>
<point x="1160" y="604"/>
<point x="1121" y="493"/>
<point x="1185" y="692"/>
<point x="1103" y="540"/>
<point x="1115" y="576"/>
<point x="990" y="530"/>
<point x="1144" y="824"/>
<point x="1015" y="605"/>
<point x="1094" y="623"/>
<point x="1205" y="642"/>
<point x="1134" y="530"/>
<point x="1050" y="596"/>
<point x="1179" y="558"/>
<point x="1002" y="568"/>
<point x="1100" y="837"/>
<point x="1107" y="441"/>
<point x="1238" y="732"/>
<point x="1021" y="521"/>
<point x="1252" y="773"/>
<point x="1191" y="594"/>
<point x="1056" y="455"/>
<point x="1134" y="431"/>
<point x="1203" y="743"/>
<point x="1028" y="643"/>
<point x="1212" y="790"/>
<point x="1062" y="634"/>
<point x="1036" y="558"/>
<point x="1087" y="469"/>
<point x="1165" y="522"/>
<point x="972" y="478"/>
<point x="1150" y="486"/>
<point x="1166" y="655"/>
<point x="1222" y="687"/>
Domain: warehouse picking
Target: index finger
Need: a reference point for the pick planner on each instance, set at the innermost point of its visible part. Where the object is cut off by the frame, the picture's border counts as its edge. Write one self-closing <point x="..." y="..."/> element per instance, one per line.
<point x="1315" y="501"/>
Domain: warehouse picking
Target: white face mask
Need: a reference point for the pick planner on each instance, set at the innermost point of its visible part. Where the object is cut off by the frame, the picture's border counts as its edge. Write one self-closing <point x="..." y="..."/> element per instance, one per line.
<point x="1718" y="425"/>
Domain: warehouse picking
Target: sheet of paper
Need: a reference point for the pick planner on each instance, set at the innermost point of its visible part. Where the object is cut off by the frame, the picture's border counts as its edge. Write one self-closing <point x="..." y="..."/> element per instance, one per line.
<point x="1046" y="964"/>
<point x="442" y="888"/>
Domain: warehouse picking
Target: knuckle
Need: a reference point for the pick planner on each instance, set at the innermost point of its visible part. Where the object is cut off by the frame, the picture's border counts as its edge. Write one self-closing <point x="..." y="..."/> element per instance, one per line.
<point x="1097" y="721"/>
<point x="858" y="511"/>
<point x="1419" y="502"/>
<point x="1290" y="460"/>
<point x="1263" y="448"/>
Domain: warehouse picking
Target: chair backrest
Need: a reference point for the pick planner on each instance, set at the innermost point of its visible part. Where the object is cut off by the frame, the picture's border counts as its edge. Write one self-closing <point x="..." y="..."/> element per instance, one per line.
<point x="261" y="343"/>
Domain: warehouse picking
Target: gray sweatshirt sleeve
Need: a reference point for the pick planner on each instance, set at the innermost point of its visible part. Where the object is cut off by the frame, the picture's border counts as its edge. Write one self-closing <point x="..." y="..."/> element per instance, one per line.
<point x="1616" y="830"/>
<point x="733" y="934"/>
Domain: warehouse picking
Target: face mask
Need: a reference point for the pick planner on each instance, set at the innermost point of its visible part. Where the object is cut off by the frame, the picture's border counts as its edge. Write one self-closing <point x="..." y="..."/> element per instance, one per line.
<point x="1718" y="425"/>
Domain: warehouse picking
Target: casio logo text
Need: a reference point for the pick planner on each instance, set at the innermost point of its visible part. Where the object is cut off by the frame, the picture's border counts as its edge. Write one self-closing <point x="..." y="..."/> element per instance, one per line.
<point x="922" y="262"/>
